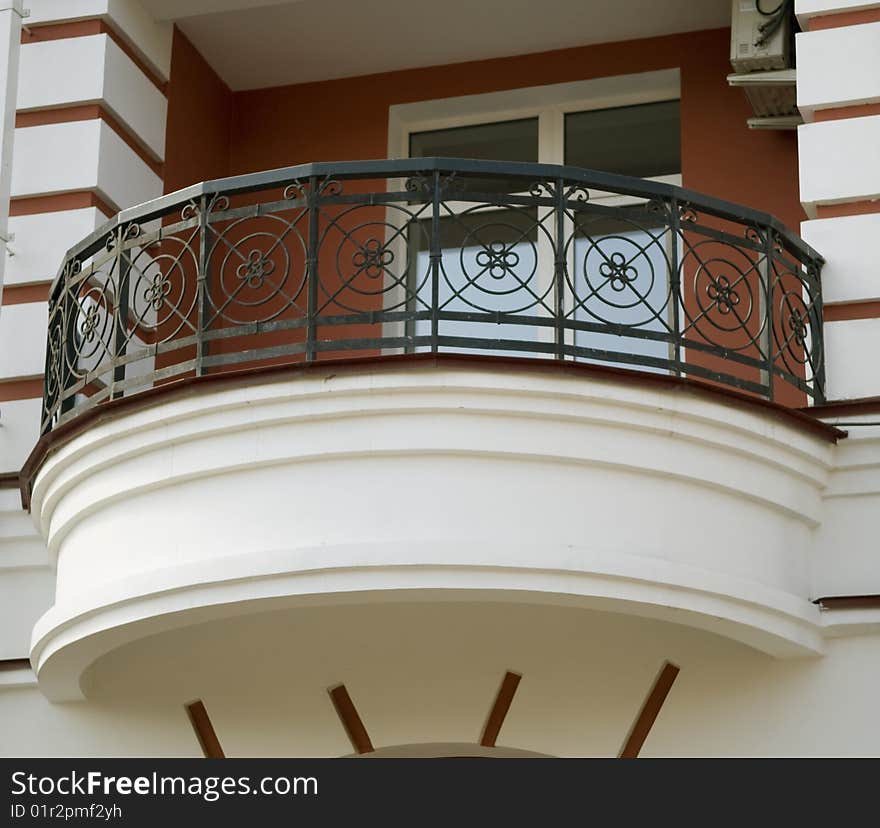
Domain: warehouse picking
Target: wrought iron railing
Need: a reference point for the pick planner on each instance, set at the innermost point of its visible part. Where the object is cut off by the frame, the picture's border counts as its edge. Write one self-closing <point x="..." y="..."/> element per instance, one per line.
<point x="322" y="261"/>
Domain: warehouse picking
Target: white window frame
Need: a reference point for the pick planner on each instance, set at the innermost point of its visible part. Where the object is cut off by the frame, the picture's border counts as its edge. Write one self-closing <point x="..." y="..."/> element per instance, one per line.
<point x="549" y="104"/>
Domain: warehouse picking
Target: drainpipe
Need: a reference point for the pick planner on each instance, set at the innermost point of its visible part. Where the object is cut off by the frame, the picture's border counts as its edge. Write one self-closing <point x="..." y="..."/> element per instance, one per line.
<point x="11" y="14"/>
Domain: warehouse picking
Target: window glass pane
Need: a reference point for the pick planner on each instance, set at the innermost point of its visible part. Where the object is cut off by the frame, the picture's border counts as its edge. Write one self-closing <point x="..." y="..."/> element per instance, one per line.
<point x="621" y="277"/>
<point x="504" y="141"/>
<point x="489" y="265"/>
<point x="642" y="140"/>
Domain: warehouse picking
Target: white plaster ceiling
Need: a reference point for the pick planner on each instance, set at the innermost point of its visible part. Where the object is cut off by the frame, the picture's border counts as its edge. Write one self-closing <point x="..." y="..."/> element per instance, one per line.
<point x="259" y="43"/>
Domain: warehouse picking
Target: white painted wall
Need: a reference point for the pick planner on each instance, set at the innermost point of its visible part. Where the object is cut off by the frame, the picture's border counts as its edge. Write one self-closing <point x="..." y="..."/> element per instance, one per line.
<point x="838" y="67"/>
<point x="839" y="160"/>
<point x="846" y="553"/>
<point x="10" y="35"/>
<point x="852" y="371"/>
<point x="59" y="72"/>
<point x="56" y="158"/>
<point x="125" y="178"/>
<point x="25" y="593"/>
<point x="135" y="99"/>
<point x="849" y="245"/>
<point x="43" y="239"/>
<point x="150" y="39"/>
<point x="27" y="582"/>
<point x="19" y="431"/>
<point x="23" y="340"/>
<point x="78" y="156"/>
<point x="425" y="475"/>
<point x="839" y="163"/>
<point x="51" y="159"/>
<point x="423" y="672"/>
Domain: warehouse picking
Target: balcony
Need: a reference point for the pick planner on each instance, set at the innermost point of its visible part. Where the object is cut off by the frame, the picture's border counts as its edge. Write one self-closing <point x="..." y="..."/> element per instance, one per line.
<point x="430" y="379"/>
<point x="434" y="255"/>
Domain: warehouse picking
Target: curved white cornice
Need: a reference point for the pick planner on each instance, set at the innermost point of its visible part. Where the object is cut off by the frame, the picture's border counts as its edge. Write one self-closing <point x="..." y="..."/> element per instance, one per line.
<point x="435" y="482"/>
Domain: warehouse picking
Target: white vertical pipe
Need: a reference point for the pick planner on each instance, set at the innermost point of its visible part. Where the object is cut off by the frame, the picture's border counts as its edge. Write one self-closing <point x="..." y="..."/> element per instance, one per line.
<point x="11" y="14"/>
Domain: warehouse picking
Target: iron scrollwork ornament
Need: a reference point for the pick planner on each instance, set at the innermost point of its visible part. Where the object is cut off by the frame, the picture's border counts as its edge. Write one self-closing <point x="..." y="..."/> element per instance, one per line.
<point x="399" y="257"/>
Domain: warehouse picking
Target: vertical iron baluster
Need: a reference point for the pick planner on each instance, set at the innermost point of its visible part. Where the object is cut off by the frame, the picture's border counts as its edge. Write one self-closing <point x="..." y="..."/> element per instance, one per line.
<point x="46" y="416"/>
<point x="312" y="271"/>
<point x="203" y="286"/>
<point x="120" y="312"/>
<point x="436" y="256"/>
<point x="817" y="331"/>
<point x="770" y="310"/>
<point x="559" y="269"/>
<point x="48" y="407"/>
<point x="67" y="373"/>
<point x="675" y="284"/>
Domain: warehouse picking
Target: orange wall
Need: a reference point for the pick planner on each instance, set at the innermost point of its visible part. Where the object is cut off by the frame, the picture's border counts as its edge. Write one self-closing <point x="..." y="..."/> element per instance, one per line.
<point x="348" y="119"/>
<point x="721" y="156"/>
<point x="212" y="132"/>
<point x="199" y="119"/>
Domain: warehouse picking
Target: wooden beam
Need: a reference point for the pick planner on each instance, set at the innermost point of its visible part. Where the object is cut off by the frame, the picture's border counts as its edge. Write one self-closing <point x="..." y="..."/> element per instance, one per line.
<point x="500" y="708"/>
<point x="351" y="721"/>
<point x="649" y="712"/>
<point x="10" y="480"/>
<point x="842" y="602"/>
<point x="204" y="730"/>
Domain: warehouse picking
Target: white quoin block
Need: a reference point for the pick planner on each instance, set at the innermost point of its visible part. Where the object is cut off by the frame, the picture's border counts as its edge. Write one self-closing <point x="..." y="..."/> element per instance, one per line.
<point x="849" y="245"/>
<point x="85" y="155"/>
<point x="838" y="67"/>
<point x="852" y="368"/>
<point x="93" y="69"/>
<point x="19" y="431"/>
<point x="41" y="240"/>
<point x="23" y="339"/>
<point x="839" y="161"/>
<point x="149" y="39"/>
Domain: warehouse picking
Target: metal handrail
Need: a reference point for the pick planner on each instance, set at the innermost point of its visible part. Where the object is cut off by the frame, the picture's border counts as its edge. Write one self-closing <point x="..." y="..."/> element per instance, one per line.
<point x="377" y="257"/>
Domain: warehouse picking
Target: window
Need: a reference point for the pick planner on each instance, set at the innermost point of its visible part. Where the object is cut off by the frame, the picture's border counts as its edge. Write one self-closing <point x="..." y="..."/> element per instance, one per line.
<point x="643" y="140"/>
<point x="599" y="123"/>
<point x="627" y="125"/>
<point x="504" y="141"/>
